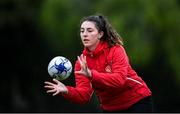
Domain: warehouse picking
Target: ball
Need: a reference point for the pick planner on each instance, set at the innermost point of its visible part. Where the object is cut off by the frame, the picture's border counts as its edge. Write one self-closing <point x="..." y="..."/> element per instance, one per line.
<point x="59" y="68"/>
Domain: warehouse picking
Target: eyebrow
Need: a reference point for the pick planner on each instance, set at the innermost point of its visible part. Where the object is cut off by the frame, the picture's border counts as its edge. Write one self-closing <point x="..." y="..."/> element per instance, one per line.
<point x="87" y="28"/>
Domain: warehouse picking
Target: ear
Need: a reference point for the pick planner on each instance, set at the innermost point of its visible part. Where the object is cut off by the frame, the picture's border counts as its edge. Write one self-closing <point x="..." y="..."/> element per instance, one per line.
<point x="100" y="34"/>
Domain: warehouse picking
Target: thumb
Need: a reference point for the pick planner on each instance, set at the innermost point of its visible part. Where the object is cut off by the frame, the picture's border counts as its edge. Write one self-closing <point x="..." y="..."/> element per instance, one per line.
<point x="55" y="80"/>
<point x="78" y="72"/>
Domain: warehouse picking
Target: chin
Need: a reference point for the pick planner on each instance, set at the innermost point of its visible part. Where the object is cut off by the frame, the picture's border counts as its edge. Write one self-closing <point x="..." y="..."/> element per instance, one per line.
<point x="87" y="45"/>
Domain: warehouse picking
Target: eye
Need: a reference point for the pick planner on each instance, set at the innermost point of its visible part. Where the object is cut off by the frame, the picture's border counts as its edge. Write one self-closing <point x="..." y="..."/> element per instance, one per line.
<point x="90" y="30"/>
<point x="81" y="30"/>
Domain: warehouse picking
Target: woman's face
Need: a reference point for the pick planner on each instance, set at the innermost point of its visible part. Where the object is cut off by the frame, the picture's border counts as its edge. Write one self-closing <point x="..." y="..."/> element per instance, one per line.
<point x="89" y="35"/>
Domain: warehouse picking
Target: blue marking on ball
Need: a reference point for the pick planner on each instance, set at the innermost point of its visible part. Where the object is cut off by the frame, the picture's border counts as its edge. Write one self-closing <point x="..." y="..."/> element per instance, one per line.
<point x="61" y="66"/>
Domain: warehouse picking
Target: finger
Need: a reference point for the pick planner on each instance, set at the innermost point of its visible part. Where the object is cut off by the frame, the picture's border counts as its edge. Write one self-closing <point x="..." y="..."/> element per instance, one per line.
<point x="82" y="58"/>
<point x="57" y="92"/>
<point x="81" y="55"/>
<point x="78" y="72"/>
<point x="79" y="60"/>
<point x="51" y="91"/>
<point x="49" y="87"/>
<point x="55" y="80"/>
<point x="85" y="60"/>
<point x="49" y="83"/>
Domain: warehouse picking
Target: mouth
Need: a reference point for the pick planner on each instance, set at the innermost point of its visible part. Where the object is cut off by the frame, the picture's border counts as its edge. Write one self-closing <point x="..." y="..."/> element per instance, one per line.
<point x="86" y="40"/>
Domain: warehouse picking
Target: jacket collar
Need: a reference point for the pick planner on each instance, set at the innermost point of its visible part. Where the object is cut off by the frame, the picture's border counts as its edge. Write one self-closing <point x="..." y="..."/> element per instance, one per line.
<point x="99" y="49"/>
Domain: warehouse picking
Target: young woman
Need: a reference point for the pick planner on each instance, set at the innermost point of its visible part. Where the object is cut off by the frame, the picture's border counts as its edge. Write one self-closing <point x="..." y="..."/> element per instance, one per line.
<point x="104" y="67"/>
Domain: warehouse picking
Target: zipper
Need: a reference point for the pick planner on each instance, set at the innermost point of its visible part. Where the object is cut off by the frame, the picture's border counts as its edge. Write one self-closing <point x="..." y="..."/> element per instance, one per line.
<point x="135" y="81"/>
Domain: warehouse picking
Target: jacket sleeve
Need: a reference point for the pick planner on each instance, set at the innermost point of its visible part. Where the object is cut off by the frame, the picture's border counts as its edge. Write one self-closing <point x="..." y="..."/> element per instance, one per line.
<point x="83" y="91"/>
<point x="119" y="67"/>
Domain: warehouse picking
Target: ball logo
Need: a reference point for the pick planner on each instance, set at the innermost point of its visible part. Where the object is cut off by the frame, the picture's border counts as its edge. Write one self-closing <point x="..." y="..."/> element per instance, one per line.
<point x="61" y="68"/>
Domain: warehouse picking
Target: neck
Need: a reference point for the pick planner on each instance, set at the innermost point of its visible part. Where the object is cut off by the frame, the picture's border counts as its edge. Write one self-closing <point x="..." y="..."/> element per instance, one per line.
<point x="93" y="47"/>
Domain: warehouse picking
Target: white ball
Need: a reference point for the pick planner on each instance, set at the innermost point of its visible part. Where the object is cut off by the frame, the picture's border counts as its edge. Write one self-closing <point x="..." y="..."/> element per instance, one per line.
<point x="60" y="68"/>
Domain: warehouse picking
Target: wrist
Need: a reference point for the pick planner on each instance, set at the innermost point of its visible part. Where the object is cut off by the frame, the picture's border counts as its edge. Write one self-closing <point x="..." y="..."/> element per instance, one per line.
<point x="64" y="92"/>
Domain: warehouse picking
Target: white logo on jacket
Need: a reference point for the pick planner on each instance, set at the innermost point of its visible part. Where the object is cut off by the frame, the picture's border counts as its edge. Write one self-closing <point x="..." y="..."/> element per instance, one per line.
<point x="108" y="69"/>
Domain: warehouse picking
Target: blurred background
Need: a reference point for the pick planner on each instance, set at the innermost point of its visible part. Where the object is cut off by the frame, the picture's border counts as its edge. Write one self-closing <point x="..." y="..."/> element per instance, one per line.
<point x="32" y="32"/>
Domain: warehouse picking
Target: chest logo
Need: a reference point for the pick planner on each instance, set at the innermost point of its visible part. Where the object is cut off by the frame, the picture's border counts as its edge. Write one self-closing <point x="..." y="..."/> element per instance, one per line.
<point x="108" y="69"/>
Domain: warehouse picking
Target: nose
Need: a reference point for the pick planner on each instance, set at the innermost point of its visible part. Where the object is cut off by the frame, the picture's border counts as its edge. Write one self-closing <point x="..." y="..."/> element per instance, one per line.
<point x="84" y="34"/>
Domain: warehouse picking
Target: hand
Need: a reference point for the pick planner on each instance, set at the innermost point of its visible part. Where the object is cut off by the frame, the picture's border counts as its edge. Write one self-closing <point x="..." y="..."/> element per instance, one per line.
<point x="84" y="68"/>
<point x="55" y="88"/>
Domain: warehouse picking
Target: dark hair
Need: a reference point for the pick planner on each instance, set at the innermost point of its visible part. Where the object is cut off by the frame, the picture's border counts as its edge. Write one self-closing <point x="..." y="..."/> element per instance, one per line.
<point x="102" y="24"/>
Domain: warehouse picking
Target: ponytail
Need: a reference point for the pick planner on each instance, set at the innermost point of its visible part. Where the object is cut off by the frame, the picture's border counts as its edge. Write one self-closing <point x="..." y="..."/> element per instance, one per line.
<point x="102" y="24"/>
